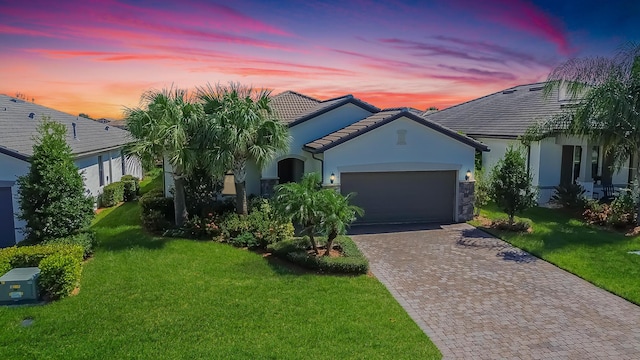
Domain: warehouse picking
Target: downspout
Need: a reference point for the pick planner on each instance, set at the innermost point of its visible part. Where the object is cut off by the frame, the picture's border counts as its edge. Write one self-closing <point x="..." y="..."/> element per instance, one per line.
<point x="313" y="155"/>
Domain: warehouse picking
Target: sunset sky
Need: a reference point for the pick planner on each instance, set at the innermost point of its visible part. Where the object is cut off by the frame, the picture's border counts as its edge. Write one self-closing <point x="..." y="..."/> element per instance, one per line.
<point x="97" y="57"/>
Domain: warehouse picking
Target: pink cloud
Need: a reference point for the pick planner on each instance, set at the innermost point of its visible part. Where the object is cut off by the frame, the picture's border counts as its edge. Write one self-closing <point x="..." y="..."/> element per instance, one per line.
<point x="124" y="23"/>
<point x="520" y="15"/>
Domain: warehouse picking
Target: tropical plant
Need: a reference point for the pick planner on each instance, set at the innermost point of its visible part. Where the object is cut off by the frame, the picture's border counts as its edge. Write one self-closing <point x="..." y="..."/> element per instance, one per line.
<point x="52" y="197"/>
<point x="569" y="196"/>
<point x="300" y="202"/>
<point x="165" y="125"/>
<point x="317" y="210"/>
<point x="607" y="92"/>
<point x="510" y="186"/>
<point x="337" y="215"/>
<point x="243" y="131"/>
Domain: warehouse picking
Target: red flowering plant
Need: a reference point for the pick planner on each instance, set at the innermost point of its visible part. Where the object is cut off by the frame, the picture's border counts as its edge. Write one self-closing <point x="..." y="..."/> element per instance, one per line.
<point x="205" y="227"/>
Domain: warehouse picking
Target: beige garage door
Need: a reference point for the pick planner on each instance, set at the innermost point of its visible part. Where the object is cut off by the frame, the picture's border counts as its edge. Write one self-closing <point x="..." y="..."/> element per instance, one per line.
<point x="411" y="196"/>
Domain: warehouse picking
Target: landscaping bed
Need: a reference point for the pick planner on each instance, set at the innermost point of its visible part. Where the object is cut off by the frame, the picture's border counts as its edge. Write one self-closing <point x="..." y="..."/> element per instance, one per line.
<point x="346" y="258"/>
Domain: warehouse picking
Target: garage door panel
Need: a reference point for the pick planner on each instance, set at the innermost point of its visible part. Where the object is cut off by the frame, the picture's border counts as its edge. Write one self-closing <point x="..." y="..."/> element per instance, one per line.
<point x="425" y="196"/>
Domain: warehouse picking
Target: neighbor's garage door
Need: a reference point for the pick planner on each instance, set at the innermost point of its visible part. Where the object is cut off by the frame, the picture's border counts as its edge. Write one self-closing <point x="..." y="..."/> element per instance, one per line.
<point x="7" y="232"/>
<point x="412" y="196"/>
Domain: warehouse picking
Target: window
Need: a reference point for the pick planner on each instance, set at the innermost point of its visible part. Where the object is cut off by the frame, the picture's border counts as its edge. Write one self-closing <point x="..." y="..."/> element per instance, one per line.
<point x="101" y="170"/>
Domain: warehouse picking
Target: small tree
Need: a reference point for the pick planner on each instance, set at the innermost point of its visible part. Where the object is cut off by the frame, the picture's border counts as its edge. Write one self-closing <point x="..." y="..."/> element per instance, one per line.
<point x="510" y="185"/>
<point x="51" y="196"/>
<point x="337" y="215"/>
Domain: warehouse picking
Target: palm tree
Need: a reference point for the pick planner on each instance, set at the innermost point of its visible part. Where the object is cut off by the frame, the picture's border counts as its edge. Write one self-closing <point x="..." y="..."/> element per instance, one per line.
<point x="299" y="202"/>
<point x="242" y="130"/>
<point x="608" y="110"/>
<point x="164" y="126"/>
<point x="337" y="215"/>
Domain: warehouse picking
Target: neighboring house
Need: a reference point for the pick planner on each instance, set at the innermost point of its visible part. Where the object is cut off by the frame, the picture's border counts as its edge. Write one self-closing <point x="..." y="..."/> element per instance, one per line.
<point x="499" y="119"/>
<point x="97" y="149"/>
<point x="402" y="167"/>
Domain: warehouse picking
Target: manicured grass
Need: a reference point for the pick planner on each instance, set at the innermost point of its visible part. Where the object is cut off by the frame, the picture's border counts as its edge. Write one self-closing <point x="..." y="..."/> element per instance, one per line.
<point x="597" y="255"/>
<point x="150" y="298"/>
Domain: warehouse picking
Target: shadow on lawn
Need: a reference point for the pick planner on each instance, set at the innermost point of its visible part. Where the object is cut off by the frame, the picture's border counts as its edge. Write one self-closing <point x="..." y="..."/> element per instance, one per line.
<point x="120" y="229"/>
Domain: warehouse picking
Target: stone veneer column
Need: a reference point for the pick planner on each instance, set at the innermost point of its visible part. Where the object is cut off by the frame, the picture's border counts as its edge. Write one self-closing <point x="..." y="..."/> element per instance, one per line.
<point x="466" y="200"/>
<point x="266" y="187"/>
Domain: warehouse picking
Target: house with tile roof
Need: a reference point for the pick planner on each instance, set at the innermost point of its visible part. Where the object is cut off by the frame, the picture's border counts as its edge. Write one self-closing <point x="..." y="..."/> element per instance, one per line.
<point x="499" y="119"/>
<point x="403" y="167"/>
<point x="96" y="147"/>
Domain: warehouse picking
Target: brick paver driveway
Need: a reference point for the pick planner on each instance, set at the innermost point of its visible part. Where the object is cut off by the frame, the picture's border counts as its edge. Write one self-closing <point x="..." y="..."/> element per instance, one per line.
<point x="477" y="297"/>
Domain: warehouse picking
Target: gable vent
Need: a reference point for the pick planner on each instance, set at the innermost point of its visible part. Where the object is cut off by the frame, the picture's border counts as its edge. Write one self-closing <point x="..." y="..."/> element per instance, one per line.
<point x="31" y="115"/>
<point x="106" y="128"/>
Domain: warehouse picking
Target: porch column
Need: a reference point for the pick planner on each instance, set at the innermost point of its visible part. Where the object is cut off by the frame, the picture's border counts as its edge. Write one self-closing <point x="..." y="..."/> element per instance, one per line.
<point x="586" y="177"/>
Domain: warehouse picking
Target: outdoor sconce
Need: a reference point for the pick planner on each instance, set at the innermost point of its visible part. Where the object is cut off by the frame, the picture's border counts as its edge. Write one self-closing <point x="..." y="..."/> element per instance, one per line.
<point x="332" y="178"/>
<point x="468" y="175"/>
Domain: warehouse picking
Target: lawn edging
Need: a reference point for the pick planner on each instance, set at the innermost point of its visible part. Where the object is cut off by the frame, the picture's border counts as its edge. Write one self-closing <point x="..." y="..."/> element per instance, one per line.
<point x="352" y="260"/>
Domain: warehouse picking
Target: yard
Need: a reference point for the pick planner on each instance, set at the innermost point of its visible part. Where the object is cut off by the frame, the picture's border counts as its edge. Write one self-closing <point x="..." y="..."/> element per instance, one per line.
<point x="146" y="297"/>
<point x="597" y="255"/>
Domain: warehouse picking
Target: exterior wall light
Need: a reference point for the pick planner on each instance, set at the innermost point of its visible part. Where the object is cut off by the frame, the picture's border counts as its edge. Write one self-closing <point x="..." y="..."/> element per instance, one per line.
<point x="332" y="178"/>
<point x="469" y="175"/>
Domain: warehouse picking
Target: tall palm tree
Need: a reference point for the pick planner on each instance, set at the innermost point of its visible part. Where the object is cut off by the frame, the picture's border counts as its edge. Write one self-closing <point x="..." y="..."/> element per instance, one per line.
<point x="337" y="215"/>
<point x="299" y="202"/>
<point x="607" y="91"/>
<point x="242" y="129"/>
<point x="164" y="126"/>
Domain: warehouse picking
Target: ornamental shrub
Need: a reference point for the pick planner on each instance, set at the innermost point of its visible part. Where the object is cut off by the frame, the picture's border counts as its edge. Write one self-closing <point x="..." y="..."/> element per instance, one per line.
<point x="156" y="211"/>
<point x="569" y="196"/>
<point x="60" y="266"/>
<point x="262" y="222"/>
<point x="246" y="239"/>
<point x="131" y="187"/>
<point x="112" y="194"/>
<point x="52" y="197"/>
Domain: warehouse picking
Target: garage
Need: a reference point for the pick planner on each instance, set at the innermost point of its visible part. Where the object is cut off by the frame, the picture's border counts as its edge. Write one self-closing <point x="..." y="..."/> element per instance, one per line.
<point x="403" y="168"/>
<point x="7" y="231"/>
<point x="403" y="196"/>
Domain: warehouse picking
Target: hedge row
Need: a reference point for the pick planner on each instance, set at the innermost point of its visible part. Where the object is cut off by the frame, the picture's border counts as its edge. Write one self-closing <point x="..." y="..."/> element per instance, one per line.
<point x="296" y="251"/>
<point x="126" y="189"/>
<point x="60" y="266"/>
<point x="85" y="238"/>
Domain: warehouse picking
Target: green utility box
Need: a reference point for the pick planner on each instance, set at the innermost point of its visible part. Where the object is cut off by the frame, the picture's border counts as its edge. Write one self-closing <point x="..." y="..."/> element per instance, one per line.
<point x="19" y="286"/>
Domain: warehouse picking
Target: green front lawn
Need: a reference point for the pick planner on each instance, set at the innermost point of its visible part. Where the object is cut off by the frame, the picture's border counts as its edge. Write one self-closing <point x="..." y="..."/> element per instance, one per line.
<point x="147" y="298"/>
<point x="597" y="255"/>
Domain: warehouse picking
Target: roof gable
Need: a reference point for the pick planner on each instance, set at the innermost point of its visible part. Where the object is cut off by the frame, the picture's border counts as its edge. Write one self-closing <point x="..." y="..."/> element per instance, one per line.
<point x="293" y="108"/>
<point x="19" y="120"/>
<point x="507" y="113"/>
<point x="379" y="119"/>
